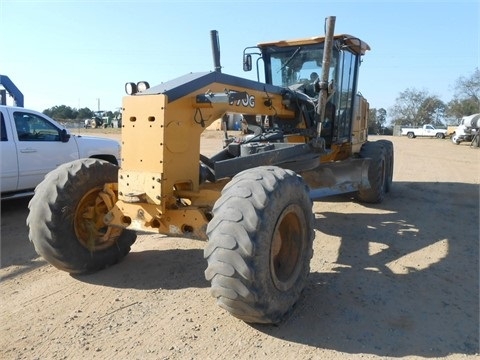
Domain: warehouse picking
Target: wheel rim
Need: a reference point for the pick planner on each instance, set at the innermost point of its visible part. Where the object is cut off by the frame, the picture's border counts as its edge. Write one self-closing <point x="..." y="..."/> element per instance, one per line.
<point x="91" y="230"/>
<point x="288" y="245"/>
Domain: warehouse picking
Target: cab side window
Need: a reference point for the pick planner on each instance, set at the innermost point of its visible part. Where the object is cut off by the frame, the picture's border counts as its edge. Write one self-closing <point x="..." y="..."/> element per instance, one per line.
<point x="31" y="127"/>
<point x="3" y="129"/>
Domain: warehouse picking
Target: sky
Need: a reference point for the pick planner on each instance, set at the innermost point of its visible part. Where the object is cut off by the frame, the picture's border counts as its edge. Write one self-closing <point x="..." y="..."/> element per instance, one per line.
<point x="80" y="53"/>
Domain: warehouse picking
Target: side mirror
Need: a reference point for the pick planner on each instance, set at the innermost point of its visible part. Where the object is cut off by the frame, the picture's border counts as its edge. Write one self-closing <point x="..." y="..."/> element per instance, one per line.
<point x="247" y="62"/>
<point x="64" y="136"/>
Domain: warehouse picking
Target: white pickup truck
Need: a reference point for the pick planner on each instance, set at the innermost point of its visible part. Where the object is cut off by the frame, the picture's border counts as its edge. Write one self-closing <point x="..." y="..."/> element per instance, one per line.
<point x="32" y="144"/>
<point x="425" y="130"/>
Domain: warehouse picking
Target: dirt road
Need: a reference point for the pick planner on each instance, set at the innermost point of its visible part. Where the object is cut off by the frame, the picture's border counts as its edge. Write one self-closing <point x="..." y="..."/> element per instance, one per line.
<point x="400" y="279"/>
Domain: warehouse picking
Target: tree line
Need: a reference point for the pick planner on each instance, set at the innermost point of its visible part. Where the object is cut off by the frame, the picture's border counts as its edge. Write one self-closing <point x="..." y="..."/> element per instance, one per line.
<point x="67" y="114"/>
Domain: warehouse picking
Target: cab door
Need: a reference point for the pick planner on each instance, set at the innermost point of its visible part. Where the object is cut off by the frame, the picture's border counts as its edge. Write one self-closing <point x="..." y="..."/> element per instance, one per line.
<point x="40" y="147"/>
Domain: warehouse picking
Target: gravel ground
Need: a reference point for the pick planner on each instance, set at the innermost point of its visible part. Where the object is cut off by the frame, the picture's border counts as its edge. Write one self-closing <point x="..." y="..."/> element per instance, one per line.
<point x="399" y="279"/>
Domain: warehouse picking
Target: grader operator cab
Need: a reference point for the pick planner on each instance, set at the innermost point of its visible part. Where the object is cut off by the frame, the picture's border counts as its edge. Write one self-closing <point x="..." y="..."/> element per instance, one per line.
<point x="252" y="200"/>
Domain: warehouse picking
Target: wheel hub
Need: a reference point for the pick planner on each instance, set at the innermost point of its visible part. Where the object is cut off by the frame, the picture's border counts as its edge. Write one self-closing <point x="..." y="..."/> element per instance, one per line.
<point x="287" y="248"/>
<point x="90" y="228"/>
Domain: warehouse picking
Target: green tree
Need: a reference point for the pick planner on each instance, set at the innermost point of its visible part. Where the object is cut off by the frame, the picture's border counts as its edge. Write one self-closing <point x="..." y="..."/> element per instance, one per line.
<point x="377" y="120"/>
<point x="61" y="112"/>
<point x="84" y="113"/>
<point x="382" y="117"/>
<point x="459" y="108"/>
<point x="469" y="88"/>
<point x="466" y="100"/>
<point x="433" y="111"/>
<point x="417" y="107"/>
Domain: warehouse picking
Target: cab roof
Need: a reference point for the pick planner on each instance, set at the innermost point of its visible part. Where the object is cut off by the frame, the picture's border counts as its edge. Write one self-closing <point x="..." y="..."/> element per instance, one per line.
<point x="353" y="43"/>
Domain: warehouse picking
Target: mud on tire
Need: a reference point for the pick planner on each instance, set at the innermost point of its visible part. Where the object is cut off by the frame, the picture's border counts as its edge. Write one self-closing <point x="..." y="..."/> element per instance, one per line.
<point x="260" y="244"/>
<point x="66" y="218"/>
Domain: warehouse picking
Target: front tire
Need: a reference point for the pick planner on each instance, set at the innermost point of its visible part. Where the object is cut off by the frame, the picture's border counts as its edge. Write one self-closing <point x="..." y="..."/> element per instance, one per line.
<point x="260" y="244"/>
<point x="66" y="218"/>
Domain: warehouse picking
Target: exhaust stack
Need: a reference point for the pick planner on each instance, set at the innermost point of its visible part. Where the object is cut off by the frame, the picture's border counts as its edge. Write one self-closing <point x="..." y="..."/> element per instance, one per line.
<point x="216" y="50"/>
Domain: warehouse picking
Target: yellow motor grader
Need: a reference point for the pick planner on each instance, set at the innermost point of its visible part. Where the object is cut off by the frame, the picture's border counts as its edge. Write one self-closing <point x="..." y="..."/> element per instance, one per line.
<point x="305" y="137"/>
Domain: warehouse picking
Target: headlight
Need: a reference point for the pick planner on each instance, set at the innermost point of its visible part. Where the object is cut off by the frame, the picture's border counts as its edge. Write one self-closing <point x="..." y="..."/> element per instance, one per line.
<point x="130" y="88"/>
<point x="142" y="86"/>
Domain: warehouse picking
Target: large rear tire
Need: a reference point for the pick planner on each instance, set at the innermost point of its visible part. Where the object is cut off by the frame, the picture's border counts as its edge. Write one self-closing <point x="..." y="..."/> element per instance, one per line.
<point x="260" y="244"/>
<point x="66" y="218"/>
<point x="376" y="173"/>
<point x="389" y="161"/>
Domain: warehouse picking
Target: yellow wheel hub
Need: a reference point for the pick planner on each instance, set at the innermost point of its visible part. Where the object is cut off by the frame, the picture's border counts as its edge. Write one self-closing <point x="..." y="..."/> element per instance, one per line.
<point x="90" y="228"/>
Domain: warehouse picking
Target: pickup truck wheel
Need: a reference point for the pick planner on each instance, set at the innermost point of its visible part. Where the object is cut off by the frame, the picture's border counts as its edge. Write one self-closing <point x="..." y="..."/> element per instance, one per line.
<point x="410" y="135"/>
<point x="260" y="244"/>
<point x="66" y="218"/>
<point x="376" y="173"/>
<point x="389" y="161"/>
<point x="440" y="136"/>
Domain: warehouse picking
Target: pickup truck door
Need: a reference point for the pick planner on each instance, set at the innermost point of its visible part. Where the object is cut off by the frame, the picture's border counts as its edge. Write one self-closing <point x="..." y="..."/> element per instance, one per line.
<point x="9" y="164"/>
<point x="40" y="148"/>
<point x="428" y="130"/>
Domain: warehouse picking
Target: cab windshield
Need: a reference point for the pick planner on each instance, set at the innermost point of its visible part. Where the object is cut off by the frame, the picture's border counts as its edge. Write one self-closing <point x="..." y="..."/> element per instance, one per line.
<point x="298" y="65"/>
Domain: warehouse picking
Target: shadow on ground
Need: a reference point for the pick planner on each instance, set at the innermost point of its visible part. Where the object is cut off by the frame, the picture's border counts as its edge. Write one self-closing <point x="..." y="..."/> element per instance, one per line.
<point x="427" y="310"/>
<point x="386" y="302"/>
<point x="154" y="269"/>
<point x="16" y="249"/>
